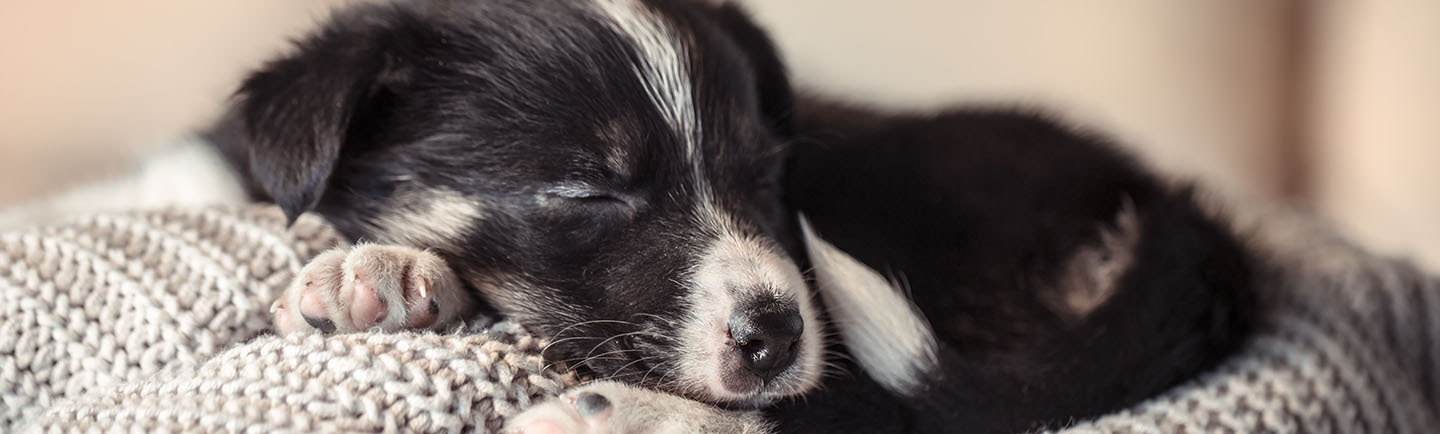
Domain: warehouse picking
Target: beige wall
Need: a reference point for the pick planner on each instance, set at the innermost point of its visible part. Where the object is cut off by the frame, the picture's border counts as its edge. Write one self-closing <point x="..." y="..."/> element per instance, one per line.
<point x="1329" y="102"/>
<point x="84" y="85"/>
<point x="1195" y="85"/>
<point x="1376" y="122"/>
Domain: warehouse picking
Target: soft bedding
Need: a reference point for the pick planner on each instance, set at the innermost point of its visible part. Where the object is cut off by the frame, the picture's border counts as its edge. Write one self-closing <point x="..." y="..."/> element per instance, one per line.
<point x="155" y="321"/>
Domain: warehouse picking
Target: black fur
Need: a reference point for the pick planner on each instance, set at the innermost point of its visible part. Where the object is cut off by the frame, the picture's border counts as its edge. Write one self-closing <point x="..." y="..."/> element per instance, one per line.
<point x="978" y="211"/>
<point x="498" y="100"/>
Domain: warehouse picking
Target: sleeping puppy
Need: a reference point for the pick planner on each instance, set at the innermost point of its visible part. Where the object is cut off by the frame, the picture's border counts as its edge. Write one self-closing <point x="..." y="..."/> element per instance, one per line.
<point x="607" y="172"/>
<point x="1032" y="277"/>
<point x="626" y="178"/>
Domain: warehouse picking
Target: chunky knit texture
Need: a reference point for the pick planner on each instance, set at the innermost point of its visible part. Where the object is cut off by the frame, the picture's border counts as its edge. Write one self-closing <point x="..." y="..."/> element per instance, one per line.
<point x="130" y="322"/>
<point x="149" y="321"/>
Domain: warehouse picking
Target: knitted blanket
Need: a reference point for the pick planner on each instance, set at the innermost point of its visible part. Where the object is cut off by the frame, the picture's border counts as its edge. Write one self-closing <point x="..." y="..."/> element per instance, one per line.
<point x="154" y="321"/>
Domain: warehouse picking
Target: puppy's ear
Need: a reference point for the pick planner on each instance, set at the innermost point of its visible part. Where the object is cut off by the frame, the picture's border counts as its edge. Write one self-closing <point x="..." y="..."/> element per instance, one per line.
<point x="299" y="111"/>
<point x="777" y="100"/>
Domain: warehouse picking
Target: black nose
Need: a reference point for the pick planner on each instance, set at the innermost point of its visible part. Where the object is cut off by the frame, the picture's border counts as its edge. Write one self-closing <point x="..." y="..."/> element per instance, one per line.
<point x="766" y="336"/>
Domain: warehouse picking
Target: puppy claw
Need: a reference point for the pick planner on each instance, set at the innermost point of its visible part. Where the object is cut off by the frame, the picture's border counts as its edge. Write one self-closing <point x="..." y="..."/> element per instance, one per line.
<point x="321" y="324"/>
<point x="591" y="404"/>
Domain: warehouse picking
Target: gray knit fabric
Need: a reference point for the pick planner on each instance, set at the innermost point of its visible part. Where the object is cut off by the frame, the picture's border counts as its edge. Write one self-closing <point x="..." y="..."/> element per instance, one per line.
<point x="147" y="321"/>
<point x="130" y="322"/>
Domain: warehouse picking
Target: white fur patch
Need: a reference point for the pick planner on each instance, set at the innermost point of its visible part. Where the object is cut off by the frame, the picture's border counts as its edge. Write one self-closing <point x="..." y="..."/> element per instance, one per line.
<point x="426" y="218"/>
<point x="736" y="267"/>
<point x="882" y="328"/>
<point x="663" y="68"/>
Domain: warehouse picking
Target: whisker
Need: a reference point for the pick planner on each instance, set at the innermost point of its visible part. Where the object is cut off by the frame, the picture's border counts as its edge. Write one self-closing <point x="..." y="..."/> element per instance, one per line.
<point x="552" y="343"/>
<point x="667" y="373"/>
<point x="589" y="355"/>
<point x="597" y="346"/>
<point x="836" y="354"/>
<point x="598" y="356"/>
<point x="657" y="318"/>
<point x="647" y="373"/>
<point x="627" y="365"/>
<point x="596" y="321"/>
<point x="558" y="335"/>
<point x="582" y="360"/>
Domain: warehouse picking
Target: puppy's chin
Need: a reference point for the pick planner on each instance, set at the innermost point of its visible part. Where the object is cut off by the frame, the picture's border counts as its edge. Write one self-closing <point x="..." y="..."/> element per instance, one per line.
<point x="738" y="390"/>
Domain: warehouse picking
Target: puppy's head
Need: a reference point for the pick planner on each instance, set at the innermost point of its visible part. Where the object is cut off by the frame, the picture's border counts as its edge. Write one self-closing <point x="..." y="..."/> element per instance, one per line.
<point x="605" y="171"/>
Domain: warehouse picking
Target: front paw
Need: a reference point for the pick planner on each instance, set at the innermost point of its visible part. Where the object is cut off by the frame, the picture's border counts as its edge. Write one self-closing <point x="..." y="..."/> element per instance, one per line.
<point x="608" y="407"/>
<point x="371" y="287"/>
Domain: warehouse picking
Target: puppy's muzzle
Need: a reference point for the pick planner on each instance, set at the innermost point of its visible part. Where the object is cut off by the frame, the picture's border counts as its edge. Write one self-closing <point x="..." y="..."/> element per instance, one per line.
<point x="766" y="336"/>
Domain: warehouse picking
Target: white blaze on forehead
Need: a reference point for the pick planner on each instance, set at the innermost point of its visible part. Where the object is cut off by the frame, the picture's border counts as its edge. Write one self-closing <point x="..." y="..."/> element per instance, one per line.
<point x="880" y="326"/>
<point x="662" y="67"/>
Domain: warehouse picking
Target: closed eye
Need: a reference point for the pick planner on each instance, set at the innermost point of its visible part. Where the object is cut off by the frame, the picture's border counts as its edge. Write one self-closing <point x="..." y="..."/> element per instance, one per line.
<point x="575" y="217"/>
<point x="584" y="195"/>
<point x="600" y="200"/>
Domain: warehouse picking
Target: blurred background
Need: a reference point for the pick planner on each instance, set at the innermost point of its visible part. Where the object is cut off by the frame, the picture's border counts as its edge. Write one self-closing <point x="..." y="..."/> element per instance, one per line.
<point x="1332" y="105"/>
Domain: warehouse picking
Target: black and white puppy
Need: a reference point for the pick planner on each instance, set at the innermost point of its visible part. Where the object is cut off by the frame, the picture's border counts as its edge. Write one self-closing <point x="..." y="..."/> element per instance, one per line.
<point x="607" y="172"/>
<point x="626" y="177"/>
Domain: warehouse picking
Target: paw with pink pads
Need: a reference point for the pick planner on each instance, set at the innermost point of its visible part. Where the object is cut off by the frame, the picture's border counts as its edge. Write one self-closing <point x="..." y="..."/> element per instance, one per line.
<point x="371" y="287"/>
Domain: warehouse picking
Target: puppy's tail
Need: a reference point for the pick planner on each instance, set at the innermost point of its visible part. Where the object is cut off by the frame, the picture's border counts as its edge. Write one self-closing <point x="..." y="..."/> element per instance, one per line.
<point x="882" y="328"/>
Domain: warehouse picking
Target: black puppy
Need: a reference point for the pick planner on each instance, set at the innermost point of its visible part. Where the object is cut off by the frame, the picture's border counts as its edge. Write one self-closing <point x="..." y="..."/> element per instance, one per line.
<point x="1058" y="279"/>
<point x="626" y="177"/>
